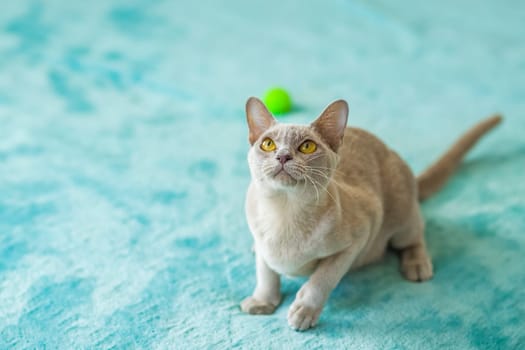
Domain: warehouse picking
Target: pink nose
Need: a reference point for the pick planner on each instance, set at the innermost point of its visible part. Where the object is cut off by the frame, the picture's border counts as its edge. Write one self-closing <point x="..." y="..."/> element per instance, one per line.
<point x="283" y="158"/>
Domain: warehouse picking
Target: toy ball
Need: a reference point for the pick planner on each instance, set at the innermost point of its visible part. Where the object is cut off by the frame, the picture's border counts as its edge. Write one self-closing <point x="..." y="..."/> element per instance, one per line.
<point x="278" y="100"/>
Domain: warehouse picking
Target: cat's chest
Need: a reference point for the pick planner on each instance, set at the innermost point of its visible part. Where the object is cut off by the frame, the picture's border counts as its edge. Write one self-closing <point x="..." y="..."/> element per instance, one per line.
<point x="293" y="245"/>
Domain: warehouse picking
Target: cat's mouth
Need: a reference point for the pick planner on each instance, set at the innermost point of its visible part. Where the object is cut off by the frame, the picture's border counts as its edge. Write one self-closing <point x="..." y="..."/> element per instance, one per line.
<point x="281" y="170"/>
<point x="284" y="177"/>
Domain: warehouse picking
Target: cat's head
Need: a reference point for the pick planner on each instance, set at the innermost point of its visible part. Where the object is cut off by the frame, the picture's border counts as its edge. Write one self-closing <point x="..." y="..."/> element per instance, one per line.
<point x="286" y="157"/>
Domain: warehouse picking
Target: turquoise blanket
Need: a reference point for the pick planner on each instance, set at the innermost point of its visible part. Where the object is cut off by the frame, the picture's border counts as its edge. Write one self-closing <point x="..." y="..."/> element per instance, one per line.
<point x="123" y="168"/>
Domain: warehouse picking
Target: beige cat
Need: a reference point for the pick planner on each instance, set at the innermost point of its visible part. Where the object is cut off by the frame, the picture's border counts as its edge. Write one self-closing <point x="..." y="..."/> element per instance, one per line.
<point x="318" y="206"/>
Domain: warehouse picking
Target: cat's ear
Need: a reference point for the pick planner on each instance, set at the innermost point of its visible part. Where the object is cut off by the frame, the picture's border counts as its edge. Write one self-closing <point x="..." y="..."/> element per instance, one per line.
<point x="331" y="124"/>
<point x="258" y="117"/>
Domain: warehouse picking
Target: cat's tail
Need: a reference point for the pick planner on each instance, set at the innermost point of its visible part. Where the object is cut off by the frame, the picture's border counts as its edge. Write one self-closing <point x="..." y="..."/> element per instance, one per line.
<point x="432" y="179"/>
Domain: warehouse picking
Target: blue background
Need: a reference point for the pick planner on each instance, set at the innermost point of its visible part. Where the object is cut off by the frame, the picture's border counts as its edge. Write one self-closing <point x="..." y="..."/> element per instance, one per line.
<point x="123" y="168"/>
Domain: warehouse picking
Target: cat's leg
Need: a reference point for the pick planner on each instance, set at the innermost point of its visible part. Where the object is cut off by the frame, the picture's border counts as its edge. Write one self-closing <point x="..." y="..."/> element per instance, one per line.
<point x="416" y="264"/>
<point x="310" y="299"/>
<point x="267" y="294"/>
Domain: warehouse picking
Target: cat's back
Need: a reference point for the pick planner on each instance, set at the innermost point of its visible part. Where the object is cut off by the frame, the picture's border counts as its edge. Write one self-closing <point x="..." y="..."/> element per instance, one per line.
<point x="367" y="161"/>
<point x="362" y="153"/>
<point x="358" y="137"/>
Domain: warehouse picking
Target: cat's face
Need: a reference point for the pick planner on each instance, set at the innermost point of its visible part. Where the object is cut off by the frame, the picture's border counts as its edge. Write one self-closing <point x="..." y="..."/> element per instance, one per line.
<point x="294" y="157"/>
<point x="288" y="155"/>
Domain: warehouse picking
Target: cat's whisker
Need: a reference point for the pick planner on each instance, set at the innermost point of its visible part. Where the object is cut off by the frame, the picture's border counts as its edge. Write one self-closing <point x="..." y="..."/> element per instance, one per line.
<point x="317" y="184"/>
<point x="308" y="185"/>
<point x="267" y="169"/>
<point x="335" y="171"/>
<point x="315" y="187"/>
<point x="317" y="171"/>
<point x="316" y="156"/>
<point x="329" y="178"/>
<point x="328" y="193"/>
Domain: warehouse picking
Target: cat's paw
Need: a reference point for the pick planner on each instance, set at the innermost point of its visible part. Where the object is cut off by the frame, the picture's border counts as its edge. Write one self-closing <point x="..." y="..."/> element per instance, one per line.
<point x="416" y="267"/>
<point x="253" y="306"/>
<point x="302" y="317"/>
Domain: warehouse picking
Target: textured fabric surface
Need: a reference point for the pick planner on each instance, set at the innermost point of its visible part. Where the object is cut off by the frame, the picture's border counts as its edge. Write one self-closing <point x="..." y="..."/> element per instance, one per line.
<point x="123" y="168"/>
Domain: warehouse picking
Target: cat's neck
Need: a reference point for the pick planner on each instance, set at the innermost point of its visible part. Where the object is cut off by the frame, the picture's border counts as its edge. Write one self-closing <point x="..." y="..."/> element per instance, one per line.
<point x="298" y="202"/>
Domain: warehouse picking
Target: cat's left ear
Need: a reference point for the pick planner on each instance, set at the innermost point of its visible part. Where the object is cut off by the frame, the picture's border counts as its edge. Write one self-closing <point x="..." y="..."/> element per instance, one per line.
<point x="258" y="117"/>
<point x="331" y="124"/>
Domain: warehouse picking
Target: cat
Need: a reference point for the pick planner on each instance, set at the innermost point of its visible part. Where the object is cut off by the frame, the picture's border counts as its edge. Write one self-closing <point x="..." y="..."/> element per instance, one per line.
<point x="325" y="199"/>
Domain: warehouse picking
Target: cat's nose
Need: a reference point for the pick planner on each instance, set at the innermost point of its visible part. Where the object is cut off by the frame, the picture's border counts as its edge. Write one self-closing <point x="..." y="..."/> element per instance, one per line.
<point x="283" y="158"/>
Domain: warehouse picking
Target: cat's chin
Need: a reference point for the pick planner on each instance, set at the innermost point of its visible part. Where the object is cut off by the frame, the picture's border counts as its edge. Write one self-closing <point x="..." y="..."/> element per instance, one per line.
<point x="283" y="179"/>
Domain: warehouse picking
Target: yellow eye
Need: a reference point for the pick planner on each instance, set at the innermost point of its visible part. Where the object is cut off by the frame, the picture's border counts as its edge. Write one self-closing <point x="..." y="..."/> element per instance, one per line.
<point x="308" y="147"/>
<point x="268" y="145"/>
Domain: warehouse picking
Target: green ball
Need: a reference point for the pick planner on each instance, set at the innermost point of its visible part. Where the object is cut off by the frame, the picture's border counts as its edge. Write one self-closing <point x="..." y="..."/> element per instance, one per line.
<point x="277" y="100"/>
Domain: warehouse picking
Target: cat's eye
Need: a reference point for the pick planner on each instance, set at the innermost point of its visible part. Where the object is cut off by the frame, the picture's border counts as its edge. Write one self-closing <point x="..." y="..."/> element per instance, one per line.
<point x="268" y="145"/>
<point x="308" y="147"/>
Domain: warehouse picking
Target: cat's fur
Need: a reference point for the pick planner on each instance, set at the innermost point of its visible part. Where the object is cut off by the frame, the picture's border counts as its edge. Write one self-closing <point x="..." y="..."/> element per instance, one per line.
<point x="336" y="209"/>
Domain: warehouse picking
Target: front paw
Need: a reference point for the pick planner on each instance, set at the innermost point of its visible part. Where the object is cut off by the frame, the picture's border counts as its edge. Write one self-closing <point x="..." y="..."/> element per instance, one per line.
<point x="416" y="265"/>
<point x="253" y="306"/>
<point x="302" y="317"/>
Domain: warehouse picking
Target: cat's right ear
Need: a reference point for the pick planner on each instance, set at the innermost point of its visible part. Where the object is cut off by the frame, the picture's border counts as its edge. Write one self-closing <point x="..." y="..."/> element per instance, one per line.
<point x="258" y="117"/>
